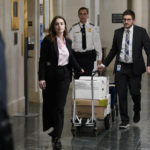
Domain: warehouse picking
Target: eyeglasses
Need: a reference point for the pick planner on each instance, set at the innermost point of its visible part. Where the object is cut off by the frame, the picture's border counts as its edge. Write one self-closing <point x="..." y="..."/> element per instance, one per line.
<point x="82" y="14"/>
<point x="126" y="20"/>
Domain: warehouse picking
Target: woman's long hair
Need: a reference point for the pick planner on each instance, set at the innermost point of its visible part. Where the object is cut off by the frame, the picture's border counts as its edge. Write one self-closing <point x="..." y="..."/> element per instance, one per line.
<point x="52" y="32"/>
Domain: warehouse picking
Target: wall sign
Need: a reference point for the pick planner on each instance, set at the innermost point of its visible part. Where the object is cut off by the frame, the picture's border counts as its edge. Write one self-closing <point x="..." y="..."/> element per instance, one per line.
<point x="14" y="14"/>
<point x="116" y="18"/>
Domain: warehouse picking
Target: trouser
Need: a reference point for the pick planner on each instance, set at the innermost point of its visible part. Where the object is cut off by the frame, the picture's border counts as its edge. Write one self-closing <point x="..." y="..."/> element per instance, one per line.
<point x="54" y="101"/>
<point x="127" y="79"/>
<point x="58" y="123"/>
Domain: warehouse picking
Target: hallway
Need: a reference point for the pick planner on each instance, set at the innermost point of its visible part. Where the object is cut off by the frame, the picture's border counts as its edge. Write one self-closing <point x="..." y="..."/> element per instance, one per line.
<point x="28" y="133"/>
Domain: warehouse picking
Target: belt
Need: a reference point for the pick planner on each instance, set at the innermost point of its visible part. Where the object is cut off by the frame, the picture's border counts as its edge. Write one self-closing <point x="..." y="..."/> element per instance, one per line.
<point x="123" y="63"/>
<point x="89" y="52"/>
<point x="48" y="64"/>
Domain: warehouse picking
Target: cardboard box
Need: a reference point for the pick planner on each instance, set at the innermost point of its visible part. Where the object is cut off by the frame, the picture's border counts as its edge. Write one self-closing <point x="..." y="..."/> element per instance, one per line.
<point x="84" y="108"/>
<point x="99" y="103"/>
<point x="83" y="89"/>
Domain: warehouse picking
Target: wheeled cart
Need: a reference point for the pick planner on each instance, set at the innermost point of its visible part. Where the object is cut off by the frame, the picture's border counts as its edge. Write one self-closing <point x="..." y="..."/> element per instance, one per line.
<point x="91" y="102"/>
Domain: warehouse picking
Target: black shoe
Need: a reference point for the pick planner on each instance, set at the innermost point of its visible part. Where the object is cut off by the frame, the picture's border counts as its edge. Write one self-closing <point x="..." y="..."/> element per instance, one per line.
<point x="124" y="125"/>
<point x="136" y="117"/>
<point x="56" y="144"/>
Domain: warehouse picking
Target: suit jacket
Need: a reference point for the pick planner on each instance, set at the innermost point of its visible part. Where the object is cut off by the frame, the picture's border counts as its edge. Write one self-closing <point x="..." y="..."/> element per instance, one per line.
<point x="3" y="97"/>
<point x="49" y="57"/>
<point x="140" y="40"/>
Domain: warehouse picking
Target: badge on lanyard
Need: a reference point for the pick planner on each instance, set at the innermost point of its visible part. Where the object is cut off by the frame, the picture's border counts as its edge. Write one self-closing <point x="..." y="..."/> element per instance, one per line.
<point x="118" y="67"/>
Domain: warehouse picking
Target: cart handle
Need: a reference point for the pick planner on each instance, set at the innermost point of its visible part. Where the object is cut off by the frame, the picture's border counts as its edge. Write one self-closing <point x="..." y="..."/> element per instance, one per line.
<point x="97" y="72"/>
<point x="93" y="73"/>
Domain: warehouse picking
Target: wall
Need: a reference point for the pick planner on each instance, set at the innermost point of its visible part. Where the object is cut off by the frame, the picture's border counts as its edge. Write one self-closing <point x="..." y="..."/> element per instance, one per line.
<point x="1" y="14"/>
<point x="107" y="8"/>
<point x="14" y="57"/>
<point x="141" y="9"/>
<point x="34" y="34"/>
<point x="68" y="9"/>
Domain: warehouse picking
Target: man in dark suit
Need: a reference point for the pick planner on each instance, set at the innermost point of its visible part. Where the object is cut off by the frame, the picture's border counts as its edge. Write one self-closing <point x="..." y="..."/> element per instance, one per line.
<point x="128" y="43"/>
<point x="6" y="141"/>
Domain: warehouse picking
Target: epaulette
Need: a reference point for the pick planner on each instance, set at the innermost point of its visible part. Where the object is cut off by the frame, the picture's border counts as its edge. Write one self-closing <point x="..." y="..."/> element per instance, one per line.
<point x="91" y="24"/>
<point x="75" y="24"/>
<point x="70" y="29"/>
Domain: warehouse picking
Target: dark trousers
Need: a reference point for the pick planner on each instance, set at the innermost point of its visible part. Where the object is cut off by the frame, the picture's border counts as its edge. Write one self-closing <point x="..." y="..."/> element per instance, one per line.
<point x="86" y="61"/>
<point x="54" y="100"/>
<point x="125" y="79"/>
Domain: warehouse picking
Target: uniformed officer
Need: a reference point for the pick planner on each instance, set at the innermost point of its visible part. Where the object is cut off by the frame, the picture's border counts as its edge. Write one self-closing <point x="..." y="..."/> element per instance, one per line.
<point x="86" y="43"/>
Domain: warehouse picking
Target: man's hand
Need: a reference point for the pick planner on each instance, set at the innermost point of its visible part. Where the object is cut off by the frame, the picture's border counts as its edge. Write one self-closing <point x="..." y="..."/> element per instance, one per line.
<point x="148" y="70"/>
<point x="100" y="68"/>
<point x="99" y="62"/>
<point x="42" y="84"/>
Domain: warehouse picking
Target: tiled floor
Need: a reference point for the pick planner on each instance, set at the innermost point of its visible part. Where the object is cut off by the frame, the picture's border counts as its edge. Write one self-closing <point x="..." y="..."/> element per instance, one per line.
<point x="28" y="133"/>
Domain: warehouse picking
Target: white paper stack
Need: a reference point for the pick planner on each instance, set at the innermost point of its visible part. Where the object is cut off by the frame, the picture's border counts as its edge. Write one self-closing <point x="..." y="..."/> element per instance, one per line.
<point x="83" y="88"/>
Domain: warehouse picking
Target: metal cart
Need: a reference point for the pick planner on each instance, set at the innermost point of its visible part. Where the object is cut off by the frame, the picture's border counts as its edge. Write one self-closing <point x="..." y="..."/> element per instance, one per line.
<point x="78" y="122"/>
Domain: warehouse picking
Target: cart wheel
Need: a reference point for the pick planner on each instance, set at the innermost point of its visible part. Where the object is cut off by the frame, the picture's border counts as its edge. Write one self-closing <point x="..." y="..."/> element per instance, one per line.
<point x="106" y="122"/>
<point x="74" y="133"/>
<point x="113" y="115"/>
<point x="95" y="129"/>
<point x="95" y="133"/>
<point x="78" y="128"/>
<point x="73" y="128"/>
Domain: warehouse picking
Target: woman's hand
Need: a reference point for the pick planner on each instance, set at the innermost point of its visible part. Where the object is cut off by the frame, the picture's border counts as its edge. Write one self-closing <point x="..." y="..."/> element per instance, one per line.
<point x="42" y="84"/>
<point x="148" y="70"/>
<point x="82" y="71"/>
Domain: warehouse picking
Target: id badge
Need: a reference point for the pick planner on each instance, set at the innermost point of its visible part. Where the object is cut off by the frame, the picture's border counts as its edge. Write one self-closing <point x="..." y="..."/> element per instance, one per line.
<point x="118" y="67"/>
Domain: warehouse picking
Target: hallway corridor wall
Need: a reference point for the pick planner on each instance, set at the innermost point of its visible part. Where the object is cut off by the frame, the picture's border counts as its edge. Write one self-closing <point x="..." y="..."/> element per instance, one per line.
<point x="14" y="56"/>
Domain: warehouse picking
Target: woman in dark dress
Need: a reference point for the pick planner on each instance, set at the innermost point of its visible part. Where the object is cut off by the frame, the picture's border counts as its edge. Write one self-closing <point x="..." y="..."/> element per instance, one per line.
<point x="55" y="73"/>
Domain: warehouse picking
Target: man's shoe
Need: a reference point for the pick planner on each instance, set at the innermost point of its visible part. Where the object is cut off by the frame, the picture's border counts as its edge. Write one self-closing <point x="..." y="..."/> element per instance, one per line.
<point x="56" y="144"/>
<point x="136" y="117"/>
<point x="124" y="125"/>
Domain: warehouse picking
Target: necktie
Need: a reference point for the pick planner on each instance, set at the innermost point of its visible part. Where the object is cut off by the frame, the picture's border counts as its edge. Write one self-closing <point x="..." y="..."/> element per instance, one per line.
<point x="83" y="37"/>
<point x="127" y="42"/>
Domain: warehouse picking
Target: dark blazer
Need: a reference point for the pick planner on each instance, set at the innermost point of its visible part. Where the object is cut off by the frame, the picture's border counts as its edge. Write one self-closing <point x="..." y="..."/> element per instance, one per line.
<point x="6" y="141"/>
<point x="3" y="97"/>
<point x="49" y="57"/>
<point x="140" y="40"/>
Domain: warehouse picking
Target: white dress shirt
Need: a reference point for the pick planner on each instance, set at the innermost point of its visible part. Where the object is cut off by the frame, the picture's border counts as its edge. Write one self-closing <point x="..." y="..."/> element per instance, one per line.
<point x="122" y="54"/>
<point x="63" y="53"/>
<point x="92" y="38"/>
